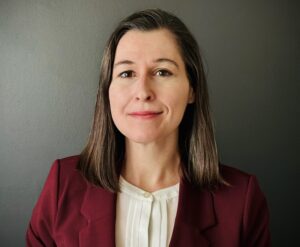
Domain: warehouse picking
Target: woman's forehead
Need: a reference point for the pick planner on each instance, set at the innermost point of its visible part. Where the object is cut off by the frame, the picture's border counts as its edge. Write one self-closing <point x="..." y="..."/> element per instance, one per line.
<point x="151" y="45"/>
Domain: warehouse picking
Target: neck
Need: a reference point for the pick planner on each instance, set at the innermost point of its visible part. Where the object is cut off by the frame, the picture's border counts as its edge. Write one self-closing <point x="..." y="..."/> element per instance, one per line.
<point x="152" y="166"/>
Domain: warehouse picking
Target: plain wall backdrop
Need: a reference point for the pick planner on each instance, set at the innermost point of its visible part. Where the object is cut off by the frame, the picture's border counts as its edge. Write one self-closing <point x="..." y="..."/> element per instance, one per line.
<point x="50" y="53"/>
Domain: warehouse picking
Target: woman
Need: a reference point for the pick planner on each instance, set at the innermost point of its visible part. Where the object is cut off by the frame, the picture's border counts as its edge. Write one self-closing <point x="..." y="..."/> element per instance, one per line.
<point x="149" y="175"/>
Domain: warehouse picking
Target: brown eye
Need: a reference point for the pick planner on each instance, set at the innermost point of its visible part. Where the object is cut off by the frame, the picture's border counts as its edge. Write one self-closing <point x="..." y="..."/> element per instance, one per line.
<point x="126" y="74"/>
<point x="163" y="73"/>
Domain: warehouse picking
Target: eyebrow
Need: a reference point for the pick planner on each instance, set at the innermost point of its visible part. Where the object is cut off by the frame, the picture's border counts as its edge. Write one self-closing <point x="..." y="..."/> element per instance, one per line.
<point x="123" y="62"/>
<point x="159" y="60"/>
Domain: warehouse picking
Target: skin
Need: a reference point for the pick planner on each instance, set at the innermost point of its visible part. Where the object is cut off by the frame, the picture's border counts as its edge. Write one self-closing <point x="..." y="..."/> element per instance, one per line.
<point x="149" y="75"/>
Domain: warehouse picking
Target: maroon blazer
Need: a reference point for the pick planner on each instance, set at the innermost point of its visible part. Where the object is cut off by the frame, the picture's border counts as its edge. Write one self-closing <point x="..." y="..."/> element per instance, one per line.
<point x="71" y="212"/>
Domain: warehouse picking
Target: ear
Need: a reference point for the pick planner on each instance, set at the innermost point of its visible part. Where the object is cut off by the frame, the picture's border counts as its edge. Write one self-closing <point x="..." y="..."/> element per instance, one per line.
<point x="191" y="98"/>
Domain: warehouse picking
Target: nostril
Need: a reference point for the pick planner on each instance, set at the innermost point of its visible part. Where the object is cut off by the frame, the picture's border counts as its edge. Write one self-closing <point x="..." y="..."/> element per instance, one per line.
<point x="144" y="96"/>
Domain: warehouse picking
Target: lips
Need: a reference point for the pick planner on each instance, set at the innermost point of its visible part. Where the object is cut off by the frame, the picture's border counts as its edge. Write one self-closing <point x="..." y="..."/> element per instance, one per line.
<point x="145" y="114"/>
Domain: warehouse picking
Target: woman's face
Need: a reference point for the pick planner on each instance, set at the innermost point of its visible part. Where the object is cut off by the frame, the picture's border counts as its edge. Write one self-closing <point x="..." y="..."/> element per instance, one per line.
<point x="149" y="90"/>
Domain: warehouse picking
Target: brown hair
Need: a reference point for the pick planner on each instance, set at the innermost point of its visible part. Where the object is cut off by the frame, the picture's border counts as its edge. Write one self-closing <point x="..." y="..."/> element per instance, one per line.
<point x="101" y="159"/>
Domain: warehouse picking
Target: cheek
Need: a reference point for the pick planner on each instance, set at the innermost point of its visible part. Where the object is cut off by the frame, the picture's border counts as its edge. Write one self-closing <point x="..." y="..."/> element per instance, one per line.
<point x="117" y="100"/>
<point x="177" y="100"/>
<point x="177" y="107"/>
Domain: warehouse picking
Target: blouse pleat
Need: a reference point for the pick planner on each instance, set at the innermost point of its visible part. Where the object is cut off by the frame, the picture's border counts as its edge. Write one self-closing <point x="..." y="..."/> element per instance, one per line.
<point x="145" y="219"/>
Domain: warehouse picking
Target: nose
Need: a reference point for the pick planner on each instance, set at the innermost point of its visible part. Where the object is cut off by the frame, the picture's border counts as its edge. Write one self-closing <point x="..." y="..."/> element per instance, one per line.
<point x="144" y="92"/>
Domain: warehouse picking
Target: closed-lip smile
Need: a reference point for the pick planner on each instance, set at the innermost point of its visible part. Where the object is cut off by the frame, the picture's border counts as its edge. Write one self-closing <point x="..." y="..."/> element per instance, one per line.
<point x="145" y="114"/>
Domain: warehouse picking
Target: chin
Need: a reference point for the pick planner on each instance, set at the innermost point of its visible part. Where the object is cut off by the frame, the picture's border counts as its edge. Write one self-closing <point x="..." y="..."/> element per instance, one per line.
<point x="142" y="138"/>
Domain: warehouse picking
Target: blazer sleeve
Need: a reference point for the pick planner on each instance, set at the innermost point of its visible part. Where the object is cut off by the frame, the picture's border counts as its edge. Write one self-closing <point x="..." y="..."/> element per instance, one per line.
<point x="40" y="230"/>
<point x="256" y="217"/>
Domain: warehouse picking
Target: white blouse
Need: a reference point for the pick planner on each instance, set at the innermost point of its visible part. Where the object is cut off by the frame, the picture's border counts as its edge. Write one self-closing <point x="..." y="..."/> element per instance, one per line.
<point x="143" y="218"/>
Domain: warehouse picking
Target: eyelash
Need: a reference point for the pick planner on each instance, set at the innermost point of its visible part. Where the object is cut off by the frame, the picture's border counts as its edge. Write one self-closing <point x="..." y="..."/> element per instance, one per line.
<point x="127" y="72"/>
<point x="164" y="71"/>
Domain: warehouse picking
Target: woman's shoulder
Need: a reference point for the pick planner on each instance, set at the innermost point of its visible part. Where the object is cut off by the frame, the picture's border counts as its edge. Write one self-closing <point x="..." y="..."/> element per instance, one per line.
<point x="69" y="162"/>
<point x="239" y="183"/>
<point x="234" y="176"/>
<point x="66" y="164"/>
<point x="65" y="171"/>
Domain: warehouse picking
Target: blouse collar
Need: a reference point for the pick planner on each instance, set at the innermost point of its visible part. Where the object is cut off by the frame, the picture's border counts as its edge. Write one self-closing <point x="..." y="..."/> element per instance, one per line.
<point x="138" y="193"/>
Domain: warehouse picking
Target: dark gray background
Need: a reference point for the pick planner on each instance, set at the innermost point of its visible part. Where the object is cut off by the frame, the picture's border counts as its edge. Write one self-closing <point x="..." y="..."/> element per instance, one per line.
<point x="50" y="54"/>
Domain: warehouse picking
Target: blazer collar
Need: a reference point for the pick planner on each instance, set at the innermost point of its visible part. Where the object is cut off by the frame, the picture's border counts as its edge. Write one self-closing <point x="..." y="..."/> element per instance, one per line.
<point x="195" y="215"/>
<point x="99" y="209"/>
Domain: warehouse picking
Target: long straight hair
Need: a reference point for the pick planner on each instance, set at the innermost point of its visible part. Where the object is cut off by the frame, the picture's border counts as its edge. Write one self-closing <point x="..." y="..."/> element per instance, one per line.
<point x="102" y="158"/>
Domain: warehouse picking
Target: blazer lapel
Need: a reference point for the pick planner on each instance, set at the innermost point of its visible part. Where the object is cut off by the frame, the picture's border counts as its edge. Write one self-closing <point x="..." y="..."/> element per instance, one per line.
<point x="99" y="209"/>
<point x="195" y="215"/>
